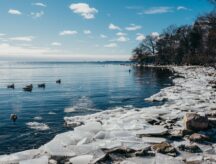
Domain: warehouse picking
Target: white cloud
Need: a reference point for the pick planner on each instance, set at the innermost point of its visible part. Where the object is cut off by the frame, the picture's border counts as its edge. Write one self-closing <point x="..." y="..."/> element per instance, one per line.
<point x="56" y="44"/>
<point x="158" y="10"/>
<point x="140" y="37"/>
<point x="103" y="36"/>
<point x="84" y="10"/>
<point x="114" y="27"/>
<point x="22" y="38"/>
<point x="111" y="45"/>
<point x="7" y="49"/>
<point x="68" y="32"/>
<point x="1" y="34"/>
<point x="121" y="34"/>
<point x="87" y="32"/>
<point x="122" y="39"/>
<point x="37" y="14"/>
<point x="155" y="34"/>
<point x="182" y="8"/>
<point x="133" y="27"/>
<point x="39" y="4"/>
<point x="14" y="12"/>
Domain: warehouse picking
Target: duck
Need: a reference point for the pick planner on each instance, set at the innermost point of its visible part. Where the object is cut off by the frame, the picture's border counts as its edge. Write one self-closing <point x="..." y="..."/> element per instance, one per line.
<point x="12" y="86"/>
<point x="28" y="88"/>
<point x="13" y="117"/>
<point x="58" y="81"/>
<point x="43" y="85"/>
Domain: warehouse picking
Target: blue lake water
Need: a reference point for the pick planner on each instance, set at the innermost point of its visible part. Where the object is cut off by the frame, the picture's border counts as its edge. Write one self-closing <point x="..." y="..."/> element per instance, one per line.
<point x="86" y="88"/>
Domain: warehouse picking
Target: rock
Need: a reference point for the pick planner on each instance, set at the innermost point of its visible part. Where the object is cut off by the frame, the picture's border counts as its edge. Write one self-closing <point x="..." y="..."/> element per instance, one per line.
<point x="212" y="122"/>
<point x="192" y="148"/>
<point x="211" y="114"/>
<point x="116" y="155"/>
<point x="194" y="121"/>
<point x="153" y="121"/>
<point x="179" y="133"/>
<point x="194" y="160"/>
<point x="164" y="148"/>
<point x="196" y="137"/>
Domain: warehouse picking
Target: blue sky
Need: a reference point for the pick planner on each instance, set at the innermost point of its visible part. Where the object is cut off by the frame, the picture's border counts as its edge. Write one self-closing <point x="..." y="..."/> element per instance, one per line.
<point x="88" y="29"/>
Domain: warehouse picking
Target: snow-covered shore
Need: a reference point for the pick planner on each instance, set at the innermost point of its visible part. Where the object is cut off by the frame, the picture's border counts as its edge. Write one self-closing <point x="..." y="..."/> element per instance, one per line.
<point x="126" y="135"/>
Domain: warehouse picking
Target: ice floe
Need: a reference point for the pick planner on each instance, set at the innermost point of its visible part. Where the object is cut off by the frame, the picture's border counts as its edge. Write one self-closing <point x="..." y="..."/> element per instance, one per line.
<point x="37" y="126"/>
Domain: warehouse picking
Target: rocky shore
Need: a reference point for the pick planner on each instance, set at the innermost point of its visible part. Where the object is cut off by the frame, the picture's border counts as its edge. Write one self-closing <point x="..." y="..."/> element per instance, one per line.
<point x="183" y="130"/>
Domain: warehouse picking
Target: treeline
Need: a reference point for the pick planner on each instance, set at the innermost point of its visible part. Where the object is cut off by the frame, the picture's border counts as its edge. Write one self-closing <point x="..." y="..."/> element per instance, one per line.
<point x="185" y="45"/>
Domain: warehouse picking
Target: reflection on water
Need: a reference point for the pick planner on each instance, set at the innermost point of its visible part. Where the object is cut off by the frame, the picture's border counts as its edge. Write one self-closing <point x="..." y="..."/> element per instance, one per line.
<point x="86" y="88"/>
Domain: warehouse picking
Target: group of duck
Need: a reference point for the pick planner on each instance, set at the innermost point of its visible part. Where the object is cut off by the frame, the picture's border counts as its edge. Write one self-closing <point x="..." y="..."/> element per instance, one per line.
<point x="28" y="88"/>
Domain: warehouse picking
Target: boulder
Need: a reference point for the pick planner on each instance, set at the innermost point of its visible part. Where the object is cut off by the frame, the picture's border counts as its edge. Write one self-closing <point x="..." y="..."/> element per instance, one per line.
<point x="192" y="148"/>
<point x="212" y="122"/>
<point x="194" y="121"/>
<point x="196" y="137"/>
<point x="179" y="133"/>
<point x="164" y="148"/>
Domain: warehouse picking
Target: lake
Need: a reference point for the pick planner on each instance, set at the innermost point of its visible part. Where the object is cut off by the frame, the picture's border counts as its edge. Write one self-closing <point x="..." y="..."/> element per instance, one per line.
<point x="86" y="88"/>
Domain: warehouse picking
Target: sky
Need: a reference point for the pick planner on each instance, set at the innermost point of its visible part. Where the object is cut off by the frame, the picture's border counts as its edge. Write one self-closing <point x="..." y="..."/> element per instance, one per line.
<point x="87" y="30"/>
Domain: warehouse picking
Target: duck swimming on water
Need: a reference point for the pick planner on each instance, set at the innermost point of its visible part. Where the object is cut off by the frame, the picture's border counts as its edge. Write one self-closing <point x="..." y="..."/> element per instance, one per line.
<point x="58" y="81"/>
<point x="43" y="85"/>
<point x="13" y="117"/>
<point x="28" y="88"/>
<point x="12" y="86"/>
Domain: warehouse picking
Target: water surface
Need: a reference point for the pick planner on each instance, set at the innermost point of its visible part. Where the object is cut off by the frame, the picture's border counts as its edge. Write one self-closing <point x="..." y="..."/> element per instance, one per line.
<point x="86" y="88"/>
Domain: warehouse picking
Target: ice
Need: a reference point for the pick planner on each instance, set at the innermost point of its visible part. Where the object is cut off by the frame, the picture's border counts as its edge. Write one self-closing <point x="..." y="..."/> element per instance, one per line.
<point x="138" y="160"/>
<point x="100" y="135"/>
<point x="92" y="127"/>
<point x="152" y="131"/>
<point x="83" y="159"/>
<point x="58" y="146"/>
<point x="153" y="140"/>
<point x="16" y="157"/>
<point x="69" y="110"/>
<point x="41" y="160"/>
<point x="37" y="126"/>
<point x="85" y="140"/>
<point x="55" y="148"/>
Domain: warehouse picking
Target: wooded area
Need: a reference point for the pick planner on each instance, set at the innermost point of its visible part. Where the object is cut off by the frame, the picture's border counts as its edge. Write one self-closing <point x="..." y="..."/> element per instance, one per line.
<point x="185" y="45"/>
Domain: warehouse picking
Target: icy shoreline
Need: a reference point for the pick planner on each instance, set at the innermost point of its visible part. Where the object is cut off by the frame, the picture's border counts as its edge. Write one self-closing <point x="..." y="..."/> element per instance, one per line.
<point x="97" y="137"/>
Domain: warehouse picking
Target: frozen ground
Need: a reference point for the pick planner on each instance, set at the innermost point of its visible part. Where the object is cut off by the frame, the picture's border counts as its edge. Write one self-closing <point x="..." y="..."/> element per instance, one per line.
<point x="126" y="135"/>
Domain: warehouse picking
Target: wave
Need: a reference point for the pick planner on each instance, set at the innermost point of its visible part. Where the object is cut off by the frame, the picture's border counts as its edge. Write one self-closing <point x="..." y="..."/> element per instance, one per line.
<point x="38" y="118"/>
<point x="83" y="104"/>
